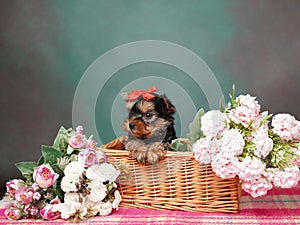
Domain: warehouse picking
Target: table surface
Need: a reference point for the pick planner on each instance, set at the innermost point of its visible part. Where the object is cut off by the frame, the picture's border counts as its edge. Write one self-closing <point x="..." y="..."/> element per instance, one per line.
<point x="280" y="206"/>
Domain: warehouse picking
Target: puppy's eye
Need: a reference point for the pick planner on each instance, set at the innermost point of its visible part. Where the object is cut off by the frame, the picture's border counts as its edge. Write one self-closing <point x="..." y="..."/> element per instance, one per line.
<point x="148" y="115"/>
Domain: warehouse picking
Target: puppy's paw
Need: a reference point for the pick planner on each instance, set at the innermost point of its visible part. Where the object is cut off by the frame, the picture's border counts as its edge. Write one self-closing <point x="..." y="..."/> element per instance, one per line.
<point x="139" y="155"/>
<point x="156" y="153"/>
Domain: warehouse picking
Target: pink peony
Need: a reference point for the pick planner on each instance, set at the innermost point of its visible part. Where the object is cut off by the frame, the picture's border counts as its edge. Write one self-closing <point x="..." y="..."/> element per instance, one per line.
<point x="233" y="142"/>
<point x="25" y="195"/>
<point x="286" y="126"/>
<point x="14" y="185"/>
<point x="213" y="123"/>
<point x="44" y="176"/>
<point x="87" y="157"/>
<point x="51" y="211"/>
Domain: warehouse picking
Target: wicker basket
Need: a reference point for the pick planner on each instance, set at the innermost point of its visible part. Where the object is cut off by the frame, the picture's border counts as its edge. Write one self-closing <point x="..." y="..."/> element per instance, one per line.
<point x="177" y="182"/>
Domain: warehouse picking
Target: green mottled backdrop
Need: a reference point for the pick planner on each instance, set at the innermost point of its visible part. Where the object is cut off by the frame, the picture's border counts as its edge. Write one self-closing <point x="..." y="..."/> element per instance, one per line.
<point x="46" y="46"/>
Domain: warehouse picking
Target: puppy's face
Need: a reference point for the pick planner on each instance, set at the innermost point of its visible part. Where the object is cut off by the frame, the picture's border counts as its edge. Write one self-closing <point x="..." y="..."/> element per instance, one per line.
<point x="150" y="119"/>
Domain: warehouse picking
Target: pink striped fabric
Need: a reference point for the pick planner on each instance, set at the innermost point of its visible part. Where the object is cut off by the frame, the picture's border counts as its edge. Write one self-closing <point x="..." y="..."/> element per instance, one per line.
<point x="280" y="206"/>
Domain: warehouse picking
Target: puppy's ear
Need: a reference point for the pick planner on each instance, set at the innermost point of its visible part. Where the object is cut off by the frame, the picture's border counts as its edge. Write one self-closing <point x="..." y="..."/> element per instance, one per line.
<point x="169" y="106"/>
<point x="128" y="104"/>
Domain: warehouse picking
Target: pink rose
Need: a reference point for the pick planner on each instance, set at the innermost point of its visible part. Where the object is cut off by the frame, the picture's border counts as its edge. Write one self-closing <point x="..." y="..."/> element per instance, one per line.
<point x="44" y="176"/>
<point x="50" y="211"/>
<point x="87" y="157"/>
<point x="14" y="185"/>
<point x="12" y="213"/>
<point x="77" y="141"/>
<point x="25" y="195"/>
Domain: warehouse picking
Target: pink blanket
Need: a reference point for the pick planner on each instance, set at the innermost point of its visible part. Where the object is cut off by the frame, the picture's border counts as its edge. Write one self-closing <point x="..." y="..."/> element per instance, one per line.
<point x="280" y="206"/>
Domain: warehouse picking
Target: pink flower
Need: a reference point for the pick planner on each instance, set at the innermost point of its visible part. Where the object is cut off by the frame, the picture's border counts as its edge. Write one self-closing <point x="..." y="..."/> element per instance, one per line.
<point x="250" y="168"/>
<point x="79" y="129"/>
<point x="91" y="144"/>
<point x="24" y="195"/>
<point x="14" y="185"/>
<point x="205" y="149"/>
<point x="263" y="143"/>
<point x="286" y="126"/>
<point x="287" y="178"/>
<point x="224" y="164"/>
<point x="32" y="210"/>
<point x="36" y="196"/>
<point x="256" y="188"/>
<point x="247" y="110"/>
<point x="87" y="157"/>
<point x="77" y="141"/>
<point x="44" y="176"/>
<point x="233" y="142"/>
<point x="213" y="123"/>
<point x="12" y="213"/>
<point x="51" y="211"/>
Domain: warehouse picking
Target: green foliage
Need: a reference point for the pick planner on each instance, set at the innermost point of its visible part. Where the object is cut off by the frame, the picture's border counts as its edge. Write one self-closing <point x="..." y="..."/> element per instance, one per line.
<point x="195" y="132"/>
<point x="27" y="169"/>
<point x="179" y="146"/>
<point x="50" y="154"/>
<point x="60" y="141"/>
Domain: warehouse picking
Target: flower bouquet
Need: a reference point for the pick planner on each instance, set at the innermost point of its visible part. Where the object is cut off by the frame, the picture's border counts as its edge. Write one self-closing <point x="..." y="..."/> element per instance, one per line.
<point x="71" y="181"/>
<point x="237" y="141"/>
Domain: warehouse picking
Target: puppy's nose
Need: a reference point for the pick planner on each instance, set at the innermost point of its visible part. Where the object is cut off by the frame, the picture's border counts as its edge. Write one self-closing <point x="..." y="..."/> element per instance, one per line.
<point x="131" y="126"/>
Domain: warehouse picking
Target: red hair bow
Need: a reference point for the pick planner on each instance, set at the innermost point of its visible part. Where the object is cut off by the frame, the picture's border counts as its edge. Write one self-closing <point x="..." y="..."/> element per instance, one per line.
<point x="146" y="94"/>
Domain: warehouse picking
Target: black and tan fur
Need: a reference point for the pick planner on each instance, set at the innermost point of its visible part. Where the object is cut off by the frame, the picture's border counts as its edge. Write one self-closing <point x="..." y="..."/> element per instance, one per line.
<point x="150" y="127"/>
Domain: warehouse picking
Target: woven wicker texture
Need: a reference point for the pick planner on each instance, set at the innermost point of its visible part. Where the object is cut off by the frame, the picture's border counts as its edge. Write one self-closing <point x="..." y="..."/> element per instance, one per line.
<point x="177" y="182"/>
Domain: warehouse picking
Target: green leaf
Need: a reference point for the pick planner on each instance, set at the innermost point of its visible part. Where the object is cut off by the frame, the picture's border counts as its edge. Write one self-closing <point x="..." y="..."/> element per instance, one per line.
<point x="26" y="168"/>
<point x="178" y="146"/>
<point x="50" y="154"/>
<point x="195" y="132"/>
<point x="41" y="161"/>
<point x="60" y="139"/>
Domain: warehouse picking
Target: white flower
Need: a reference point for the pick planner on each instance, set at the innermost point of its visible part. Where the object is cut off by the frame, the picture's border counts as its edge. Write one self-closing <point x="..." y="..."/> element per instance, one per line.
<point x="117" y="200"/>
<point x="104" y="172"/>
<point x="68" y="211"/>
<point x="68" y="183"/>
<point x="74" y="169"/>
<point x="213" y="123"/>
<point x="98" y="191"/>
<point x="233" y="142"/>
<point x="104" y="208"/>
<point x="70" y="149"/>
<point x="72" y="199"/>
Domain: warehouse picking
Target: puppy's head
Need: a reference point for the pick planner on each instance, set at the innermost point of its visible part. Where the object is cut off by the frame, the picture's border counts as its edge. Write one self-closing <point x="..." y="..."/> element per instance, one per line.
<point x="151" y="119"/>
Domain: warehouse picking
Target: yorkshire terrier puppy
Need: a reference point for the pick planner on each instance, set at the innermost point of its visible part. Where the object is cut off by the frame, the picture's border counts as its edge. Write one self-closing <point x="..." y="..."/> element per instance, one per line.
<point x="150" y="125"/>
